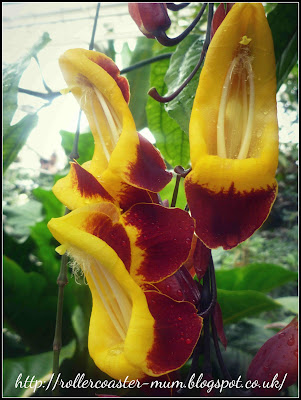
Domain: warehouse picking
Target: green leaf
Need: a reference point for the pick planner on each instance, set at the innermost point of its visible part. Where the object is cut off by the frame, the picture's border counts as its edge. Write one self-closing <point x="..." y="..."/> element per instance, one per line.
<point x="170" y="139"/>
<point x="239" y="304"/>
<point x="291" y="303"/>
<point x="19" y="219"/>
<point x="38" y="366"/>
<point x="52" y="206"/>
<point x="45" y="250"/>
<point x="283" y="21"/>
<point x="26" y="307"/>
<point x="11" y="76"/>
<point x="85" y="145"/>
<point x="258" y="334"/>
<point x="260" y="277"/>
<point x="139" y="81"/>
<point x="14" y="138"/>
<point x="182" y="63"/>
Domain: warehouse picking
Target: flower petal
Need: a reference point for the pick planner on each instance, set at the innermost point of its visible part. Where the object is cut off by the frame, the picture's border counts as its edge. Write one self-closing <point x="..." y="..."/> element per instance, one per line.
<point x="233" y="131"/>
<point x="229" y="216"/>
<point x="180" y="286"/>
<point x="79" y="188"/>
<point x="177" y="329"/>
<point x="148" y="170"/>
<point x="160" y="239"/>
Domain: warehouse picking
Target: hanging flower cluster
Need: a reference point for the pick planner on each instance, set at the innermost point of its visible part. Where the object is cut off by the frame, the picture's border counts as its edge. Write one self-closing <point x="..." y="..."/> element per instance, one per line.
<point x="130" y="248"/>
<point x="134" y="252"/>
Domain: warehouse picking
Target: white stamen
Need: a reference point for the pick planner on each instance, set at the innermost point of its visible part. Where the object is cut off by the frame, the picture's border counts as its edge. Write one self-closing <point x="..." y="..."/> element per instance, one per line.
<point x="111" y="123"/>
<point x="111" y="314"/>
<point x="221" y="144"/>
<point x="248" y="133"/>
<point x="125" y="307"/>
<point x="105" y="150"/>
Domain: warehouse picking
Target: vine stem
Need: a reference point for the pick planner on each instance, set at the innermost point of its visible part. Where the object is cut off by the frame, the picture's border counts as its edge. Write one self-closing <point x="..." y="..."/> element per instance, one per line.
<point x="204" y="341"/>
<point x="167" y="41"/>
<point x="62" y="281"/>
<point x="175" y="192"/>
<point x="165" y="99"/>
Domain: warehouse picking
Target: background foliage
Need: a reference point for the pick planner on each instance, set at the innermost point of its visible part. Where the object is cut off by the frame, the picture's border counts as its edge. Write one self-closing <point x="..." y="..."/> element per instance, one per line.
<point x="257" y="281"/>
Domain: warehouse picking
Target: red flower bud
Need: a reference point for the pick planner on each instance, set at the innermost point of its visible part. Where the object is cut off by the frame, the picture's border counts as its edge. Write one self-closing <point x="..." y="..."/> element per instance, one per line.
<point x="278" y="355"/>
<point x="150" y="17"/>
<point x="219" y="15"/>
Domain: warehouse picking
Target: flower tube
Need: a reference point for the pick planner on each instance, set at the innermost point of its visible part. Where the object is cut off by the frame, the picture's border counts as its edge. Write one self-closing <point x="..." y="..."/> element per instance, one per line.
<point x="125" y="165"/>
<point x="234" y="132"/>
<point x="136" y="329"/>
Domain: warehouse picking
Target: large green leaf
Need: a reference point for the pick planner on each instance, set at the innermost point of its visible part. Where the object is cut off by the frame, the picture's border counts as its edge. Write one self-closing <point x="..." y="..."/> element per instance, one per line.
<point x="38" y="366"/>
<point x="139" y="81"/>
<point x="260" y="277"/>
<point x="170" y="139"/>
<point x="15" y="136"/>
<point x="182" y="63"/>
<point x="283" y="21"/>
<point x="239" y="304"/>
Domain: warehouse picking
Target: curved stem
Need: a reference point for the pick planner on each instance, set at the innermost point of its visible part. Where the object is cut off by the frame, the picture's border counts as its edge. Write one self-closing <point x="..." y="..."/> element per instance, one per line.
<point x="43" y="80"/>
<point x="166" y="41"/>
<point x="213" y="300"/>
<point x="225" y="372"/>
<point x="46" y="96"/>
<point x="161" y="99"/>
<point x="176" y="7"/>
<point x="181" y="171"/>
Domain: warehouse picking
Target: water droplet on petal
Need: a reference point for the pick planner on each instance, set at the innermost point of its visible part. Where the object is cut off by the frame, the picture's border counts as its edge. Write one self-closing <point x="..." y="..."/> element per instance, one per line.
<point x="188" y="341"/>
<point x="179" y="318"/>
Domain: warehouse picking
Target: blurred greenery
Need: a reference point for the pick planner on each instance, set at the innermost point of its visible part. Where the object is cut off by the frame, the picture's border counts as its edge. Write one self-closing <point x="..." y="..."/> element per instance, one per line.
<point x="257" y="280"/>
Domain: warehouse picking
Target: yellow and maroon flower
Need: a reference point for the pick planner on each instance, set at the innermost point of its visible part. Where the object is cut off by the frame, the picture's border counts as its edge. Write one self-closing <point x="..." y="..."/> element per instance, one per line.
<point x="234" y="132"/>
<point x="125" y="166"/>
<point x="141" y="323"/>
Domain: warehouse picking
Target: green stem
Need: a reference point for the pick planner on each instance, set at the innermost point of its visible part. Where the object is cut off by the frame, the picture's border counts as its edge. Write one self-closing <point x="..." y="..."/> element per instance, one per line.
<point x="91" y="46"/>
<point x="175" y="192"/>
<point x="46" y="96"/>
<point x="145" y="62"/>
<point x="62" y="281"/>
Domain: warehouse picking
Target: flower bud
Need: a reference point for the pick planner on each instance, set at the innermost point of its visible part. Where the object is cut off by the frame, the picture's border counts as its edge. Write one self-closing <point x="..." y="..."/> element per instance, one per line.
<point x="150" y="17"/>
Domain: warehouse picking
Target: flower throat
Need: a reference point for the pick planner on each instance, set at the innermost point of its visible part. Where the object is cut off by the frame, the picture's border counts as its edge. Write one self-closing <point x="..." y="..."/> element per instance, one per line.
<point x="236" y="110"/>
